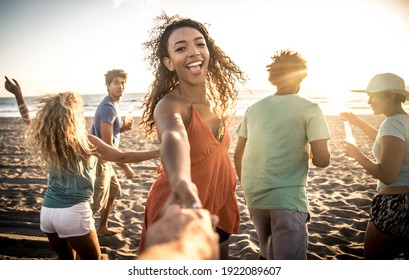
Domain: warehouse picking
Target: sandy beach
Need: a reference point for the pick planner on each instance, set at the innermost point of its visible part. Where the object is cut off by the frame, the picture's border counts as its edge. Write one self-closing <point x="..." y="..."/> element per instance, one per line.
<point x="340" y="197"/>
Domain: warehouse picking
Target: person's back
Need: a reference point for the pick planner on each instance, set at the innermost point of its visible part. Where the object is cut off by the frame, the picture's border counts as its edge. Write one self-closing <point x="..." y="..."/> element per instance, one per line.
<point x="67" y="189"/>
<point x="278" y="130"/>
<point x="272" y="158"/>
<point x="57" y="137"/>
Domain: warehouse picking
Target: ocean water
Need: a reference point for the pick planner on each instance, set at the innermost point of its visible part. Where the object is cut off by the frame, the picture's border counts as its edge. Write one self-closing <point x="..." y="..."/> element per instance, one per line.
<point x="331" y="103"/>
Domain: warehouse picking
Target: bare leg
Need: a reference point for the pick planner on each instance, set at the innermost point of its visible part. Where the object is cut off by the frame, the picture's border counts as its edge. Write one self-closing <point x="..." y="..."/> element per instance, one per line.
<point x="103" y="222"/>
<point x="87" y="246"/>
<point x="379" y="246"/>
<point x="61" y="247"/>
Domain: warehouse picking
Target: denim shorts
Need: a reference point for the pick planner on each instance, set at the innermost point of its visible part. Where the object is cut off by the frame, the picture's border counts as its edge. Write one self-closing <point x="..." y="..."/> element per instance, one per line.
<point x="390" y="214"/>
<point x="67" y="222"/>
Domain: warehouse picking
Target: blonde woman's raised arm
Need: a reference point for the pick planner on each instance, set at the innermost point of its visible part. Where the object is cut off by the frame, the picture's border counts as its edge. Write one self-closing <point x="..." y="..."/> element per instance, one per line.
<point x="15" y="89"/>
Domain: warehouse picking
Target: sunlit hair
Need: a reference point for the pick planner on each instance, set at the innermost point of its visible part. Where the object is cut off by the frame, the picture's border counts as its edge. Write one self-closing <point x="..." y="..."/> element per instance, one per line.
<point x="110" y="75"/>
<point x="57" y="135"/>
<point x="221" y="76"/>
<point x="287" y="68"/>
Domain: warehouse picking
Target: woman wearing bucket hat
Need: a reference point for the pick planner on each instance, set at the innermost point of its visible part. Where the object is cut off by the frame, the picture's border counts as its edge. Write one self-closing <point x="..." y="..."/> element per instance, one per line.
<point x="387" y="233"/>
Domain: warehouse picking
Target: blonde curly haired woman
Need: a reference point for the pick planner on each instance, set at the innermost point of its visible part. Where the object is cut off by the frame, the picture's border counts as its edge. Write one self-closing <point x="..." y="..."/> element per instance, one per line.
<point x="58" y="138"/>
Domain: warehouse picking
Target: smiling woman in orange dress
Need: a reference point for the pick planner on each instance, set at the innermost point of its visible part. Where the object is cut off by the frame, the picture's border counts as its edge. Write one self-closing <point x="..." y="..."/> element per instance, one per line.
<point x="187" y="105"/>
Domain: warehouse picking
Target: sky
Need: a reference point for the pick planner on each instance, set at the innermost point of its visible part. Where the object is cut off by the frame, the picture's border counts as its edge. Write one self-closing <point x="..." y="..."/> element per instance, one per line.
<point x="52" y="46"/>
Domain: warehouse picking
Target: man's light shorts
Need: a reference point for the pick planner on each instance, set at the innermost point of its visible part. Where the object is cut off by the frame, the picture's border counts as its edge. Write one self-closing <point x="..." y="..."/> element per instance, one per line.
<point x="67" y="222"/>
<point x="106" y="186"/>
<point x="282" y="234"/>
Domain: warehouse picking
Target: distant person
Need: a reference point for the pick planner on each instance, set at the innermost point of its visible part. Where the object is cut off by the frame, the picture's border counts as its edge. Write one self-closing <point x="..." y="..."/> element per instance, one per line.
<point x="57" y="136"/>
<point x="108" y="127"/>
<point x="387" y="233"/>
<point x="187" y="105"/>
<point x="272" y="159"/>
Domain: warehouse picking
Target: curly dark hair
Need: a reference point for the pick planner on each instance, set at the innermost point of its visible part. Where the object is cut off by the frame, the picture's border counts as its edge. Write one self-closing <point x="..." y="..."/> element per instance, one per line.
<point x="220" y="79"/>
<point x="287" y="67"/>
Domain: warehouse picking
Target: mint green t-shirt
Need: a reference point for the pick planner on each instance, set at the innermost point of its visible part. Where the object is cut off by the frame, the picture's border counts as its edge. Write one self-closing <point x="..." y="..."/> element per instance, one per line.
<point x="278" y="130"/>
<point x="65" y="190"/>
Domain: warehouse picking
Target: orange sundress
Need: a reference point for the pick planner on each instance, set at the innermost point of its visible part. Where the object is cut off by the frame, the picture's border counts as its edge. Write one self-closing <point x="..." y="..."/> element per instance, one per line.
<point x="212" y="172"/>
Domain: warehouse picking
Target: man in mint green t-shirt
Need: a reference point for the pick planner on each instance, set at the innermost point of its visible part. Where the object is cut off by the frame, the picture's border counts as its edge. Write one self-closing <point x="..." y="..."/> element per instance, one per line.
<point x="272" y="157"/>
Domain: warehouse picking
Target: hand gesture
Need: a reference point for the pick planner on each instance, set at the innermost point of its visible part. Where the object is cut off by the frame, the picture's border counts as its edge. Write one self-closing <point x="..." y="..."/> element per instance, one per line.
<point x="129" y="173"/>
<point x="350" y="117"/>
<point x="14" y="88"/>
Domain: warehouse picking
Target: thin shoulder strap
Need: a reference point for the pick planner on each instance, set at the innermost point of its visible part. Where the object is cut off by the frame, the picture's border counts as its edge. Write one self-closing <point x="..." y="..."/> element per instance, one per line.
<point x="185" y="95"/>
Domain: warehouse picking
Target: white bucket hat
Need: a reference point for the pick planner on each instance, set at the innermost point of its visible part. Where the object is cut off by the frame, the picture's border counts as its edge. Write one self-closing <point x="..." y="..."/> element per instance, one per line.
<point x="386" y="82"/>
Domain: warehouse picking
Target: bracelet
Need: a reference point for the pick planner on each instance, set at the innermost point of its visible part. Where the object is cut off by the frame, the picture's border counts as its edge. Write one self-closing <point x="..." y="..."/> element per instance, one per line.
<point x="22" y="107"/>
<point x="195" y="205"/>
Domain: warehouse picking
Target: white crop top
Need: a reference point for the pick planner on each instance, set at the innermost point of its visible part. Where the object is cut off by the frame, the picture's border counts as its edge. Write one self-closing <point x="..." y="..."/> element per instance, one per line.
<point x="397" y="126"/>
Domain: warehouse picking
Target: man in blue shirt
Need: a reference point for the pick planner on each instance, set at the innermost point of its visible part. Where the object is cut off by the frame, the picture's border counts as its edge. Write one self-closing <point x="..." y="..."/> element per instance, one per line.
<point x="108" y="126"/>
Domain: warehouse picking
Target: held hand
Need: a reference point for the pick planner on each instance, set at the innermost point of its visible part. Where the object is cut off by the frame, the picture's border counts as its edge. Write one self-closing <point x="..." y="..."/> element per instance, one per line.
<point x="12" y="88"/>
<point x="127" y="125"/>
<point x="191" y="229"/>
<point x="128" y="171"/>
<point x="184" y="195"/>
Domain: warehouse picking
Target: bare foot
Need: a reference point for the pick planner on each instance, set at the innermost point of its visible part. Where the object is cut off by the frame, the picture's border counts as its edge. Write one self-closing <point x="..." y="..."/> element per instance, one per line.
<point x="107" y="232"/>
